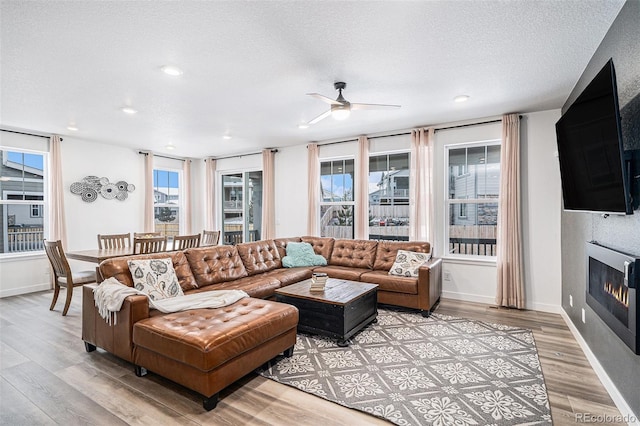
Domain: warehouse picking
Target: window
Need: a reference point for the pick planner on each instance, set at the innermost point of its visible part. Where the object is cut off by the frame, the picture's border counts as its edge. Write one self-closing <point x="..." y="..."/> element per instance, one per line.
<point x="22" y="202"/>
<point x="36" y="210"/>
<point x="337" y="204"/>
<point x="473" y="182"/>
<point x="241" y="207"/>
<point x="389" y="197"/>
<point x="166" y="194"/>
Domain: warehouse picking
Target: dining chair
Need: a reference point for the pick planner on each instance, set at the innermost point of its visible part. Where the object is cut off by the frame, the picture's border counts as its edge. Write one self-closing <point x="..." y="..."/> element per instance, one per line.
<point x="63" y="276"/>
<point x="210" y="238"/>
<point x="144" y="245"/>
<point x="146" y="234"/>
<point x="112" y="241"/>
<point x="181" y="242"/>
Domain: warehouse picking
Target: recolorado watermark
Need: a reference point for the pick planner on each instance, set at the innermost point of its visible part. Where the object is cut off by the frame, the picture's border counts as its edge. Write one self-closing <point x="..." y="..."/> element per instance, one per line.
<point x="605" y="418"/>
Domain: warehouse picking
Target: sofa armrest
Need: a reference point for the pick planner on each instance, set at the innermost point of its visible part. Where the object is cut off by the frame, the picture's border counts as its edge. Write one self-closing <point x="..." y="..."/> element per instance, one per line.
<point x="116" y="338"/>
<point x="429" y="283"/>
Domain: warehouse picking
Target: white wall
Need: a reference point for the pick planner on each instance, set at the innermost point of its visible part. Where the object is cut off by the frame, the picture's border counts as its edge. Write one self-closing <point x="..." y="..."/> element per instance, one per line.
<point x="541" y="208"/>
<point x="474" y="281"/>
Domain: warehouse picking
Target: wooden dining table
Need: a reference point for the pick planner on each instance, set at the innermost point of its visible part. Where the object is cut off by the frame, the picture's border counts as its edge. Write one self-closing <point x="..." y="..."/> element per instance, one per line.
<point x="98" y="255"/>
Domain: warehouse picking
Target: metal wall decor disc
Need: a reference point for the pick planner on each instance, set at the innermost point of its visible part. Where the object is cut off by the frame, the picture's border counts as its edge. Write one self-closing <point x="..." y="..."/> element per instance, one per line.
<point x="104" y="180"/>
<point x="91" y="179"/>
<point x="122" y="195"/>
<point x="77" y="187"/>
<point x="89" y="195"/>
<point x="131" y="187"/>
<point x="109" y="191"/>
<point x="122" y="185"/>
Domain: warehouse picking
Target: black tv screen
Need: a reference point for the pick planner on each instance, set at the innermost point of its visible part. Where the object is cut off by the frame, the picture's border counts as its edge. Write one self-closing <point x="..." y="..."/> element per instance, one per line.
<point x="591" y="152"/>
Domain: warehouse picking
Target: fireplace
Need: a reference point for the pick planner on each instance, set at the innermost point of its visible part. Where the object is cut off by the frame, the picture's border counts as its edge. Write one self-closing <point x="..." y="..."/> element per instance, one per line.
<point x="612" y="291"/>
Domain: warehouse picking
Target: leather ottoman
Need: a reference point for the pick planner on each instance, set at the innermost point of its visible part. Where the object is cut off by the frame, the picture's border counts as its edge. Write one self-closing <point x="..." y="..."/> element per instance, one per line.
<point x="206" y="350"/>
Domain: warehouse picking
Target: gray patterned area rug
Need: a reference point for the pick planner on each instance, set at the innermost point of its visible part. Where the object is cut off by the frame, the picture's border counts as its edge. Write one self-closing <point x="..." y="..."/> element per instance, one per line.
<point x="412" y="370"/>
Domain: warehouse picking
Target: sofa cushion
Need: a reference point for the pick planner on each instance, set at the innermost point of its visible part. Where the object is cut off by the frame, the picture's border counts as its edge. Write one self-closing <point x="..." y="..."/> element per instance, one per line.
<point x="354" y="253"/>
<point x="302" y="254"/>
<point x="260" y="286"/>
<point x="288" y="276"/>
<point x="259" y="256"/>
<point x="155" y="277"/>
<point x="388" y="250"/>
<point x="215" y="264"/>
<point x="408" y="262"/>
<point x="391" y="283"/>
<point x="281" y="244"/>
<point x="321" y="245"/>
<point x="342" y="272"/>
<point x="208" y="338"/>
<point x="118" y="268"/>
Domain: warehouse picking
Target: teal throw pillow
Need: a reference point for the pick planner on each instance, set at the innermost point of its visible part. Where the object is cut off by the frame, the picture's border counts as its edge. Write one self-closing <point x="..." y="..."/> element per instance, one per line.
<point x="302" y="254"/>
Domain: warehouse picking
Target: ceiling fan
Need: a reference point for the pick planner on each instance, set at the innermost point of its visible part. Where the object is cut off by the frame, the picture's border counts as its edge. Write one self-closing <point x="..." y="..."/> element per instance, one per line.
<point x="341" y="108"/>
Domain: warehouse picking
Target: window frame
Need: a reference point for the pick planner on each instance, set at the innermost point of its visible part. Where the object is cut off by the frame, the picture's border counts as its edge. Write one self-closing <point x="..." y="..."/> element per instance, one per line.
<point x="244" y="172"/>
<point x="44" y="203"/>
<point x="366" y="187"/>
<point x="180" y="204"/>
<point x="449" y="202"/>
<point x="352" y="203"/>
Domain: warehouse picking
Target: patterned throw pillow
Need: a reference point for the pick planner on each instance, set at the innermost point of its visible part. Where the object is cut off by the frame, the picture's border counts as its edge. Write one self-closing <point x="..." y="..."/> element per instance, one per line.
<point x="156" y="278"/>
<point x="407" y="263"/>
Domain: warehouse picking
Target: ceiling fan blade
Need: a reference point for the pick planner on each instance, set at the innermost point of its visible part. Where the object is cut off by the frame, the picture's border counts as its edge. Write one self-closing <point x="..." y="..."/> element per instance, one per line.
<point x="320" y="117"/>
<point x="372" y="106"/>
<point x="324" y="98"/>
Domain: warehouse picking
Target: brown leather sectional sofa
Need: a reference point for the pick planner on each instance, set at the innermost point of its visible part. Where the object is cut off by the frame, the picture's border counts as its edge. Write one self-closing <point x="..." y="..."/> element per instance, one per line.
<point x="208" y="349"/>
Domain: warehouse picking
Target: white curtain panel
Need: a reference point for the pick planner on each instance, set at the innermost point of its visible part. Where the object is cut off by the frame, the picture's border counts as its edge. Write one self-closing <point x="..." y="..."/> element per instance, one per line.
<point x="510" y="290"/>
<point x="210" y="195"/>
<point x="313" y="189"/>
<point x="186" y="191"/>
<point x="149" y="196"/>
<point x="268" y="195"/>
<point x="58" y="227"/>
<point x="361" y="216"/>
<point x="421" y="213"/>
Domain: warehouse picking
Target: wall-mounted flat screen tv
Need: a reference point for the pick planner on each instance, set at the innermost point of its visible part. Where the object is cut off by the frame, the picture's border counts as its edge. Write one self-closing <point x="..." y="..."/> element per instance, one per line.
<point x="591" y="152"/>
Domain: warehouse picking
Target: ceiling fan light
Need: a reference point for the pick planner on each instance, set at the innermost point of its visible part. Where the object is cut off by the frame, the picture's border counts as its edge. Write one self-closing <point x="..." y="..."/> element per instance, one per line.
<point x="340" y="113"/>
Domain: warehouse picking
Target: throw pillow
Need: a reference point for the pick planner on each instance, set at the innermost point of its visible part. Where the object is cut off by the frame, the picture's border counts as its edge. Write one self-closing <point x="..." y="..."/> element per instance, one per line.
<point x="407" y="263"/>
<point x="302" y="254"/>
<point x="155" y="277"/>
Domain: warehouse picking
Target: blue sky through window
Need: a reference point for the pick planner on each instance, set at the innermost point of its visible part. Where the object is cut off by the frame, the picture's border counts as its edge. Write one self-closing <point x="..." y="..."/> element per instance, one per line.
<point x="30" y="160"/>
<point x="165" y="179"/>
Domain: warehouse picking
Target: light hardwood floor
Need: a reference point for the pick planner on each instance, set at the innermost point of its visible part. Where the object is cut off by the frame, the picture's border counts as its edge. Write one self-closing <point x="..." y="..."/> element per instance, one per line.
<point x="48" y="378"/>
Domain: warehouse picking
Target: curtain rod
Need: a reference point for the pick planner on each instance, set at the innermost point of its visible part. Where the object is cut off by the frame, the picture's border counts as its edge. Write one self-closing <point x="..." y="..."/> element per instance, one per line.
<point x="408" y="133"/>
<point x="162" y="156"/>
<point x="242" y="155"/>
<point x="25" y="133"/>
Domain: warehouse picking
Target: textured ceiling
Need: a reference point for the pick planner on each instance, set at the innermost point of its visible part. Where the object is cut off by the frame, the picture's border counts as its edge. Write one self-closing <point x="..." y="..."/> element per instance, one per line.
<point x="248" y="65"/>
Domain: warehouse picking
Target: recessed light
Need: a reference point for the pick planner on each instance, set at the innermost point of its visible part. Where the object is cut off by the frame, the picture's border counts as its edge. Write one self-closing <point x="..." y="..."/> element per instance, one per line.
<point x="72" y="128"/>
<point x="227" y="137"/>
<point x="170" y="147"/>
<point x="461" y="98"/>
<point x="128" y="110"/>
<point x="171" y="70"/>
<point x="303" y="126"/>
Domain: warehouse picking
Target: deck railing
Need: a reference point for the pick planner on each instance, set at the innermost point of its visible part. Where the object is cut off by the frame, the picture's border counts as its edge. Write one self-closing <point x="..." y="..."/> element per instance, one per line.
<point x="21" y="240"/>
<point x="476" y="246"/>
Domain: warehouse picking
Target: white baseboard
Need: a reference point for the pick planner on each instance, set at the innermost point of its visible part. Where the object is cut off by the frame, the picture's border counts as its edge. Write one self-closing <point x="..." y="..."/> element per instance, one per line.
<point x="24" y="290"/>
<point x="489" y="300"/>
<point x="627" y="413"/>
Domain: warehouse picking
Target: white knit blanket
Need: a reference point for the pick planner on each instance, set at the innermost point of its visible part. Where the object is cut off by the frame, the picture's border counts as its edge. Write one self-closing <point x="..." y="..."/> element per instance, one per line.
<point x="110" y="295"/>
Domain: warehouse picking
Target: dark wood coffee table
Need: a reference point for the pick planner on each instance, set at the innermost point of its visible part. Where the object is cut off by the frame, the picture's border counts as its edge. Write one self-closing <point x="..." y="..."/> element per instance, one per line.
<point x="340" y="311"/>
